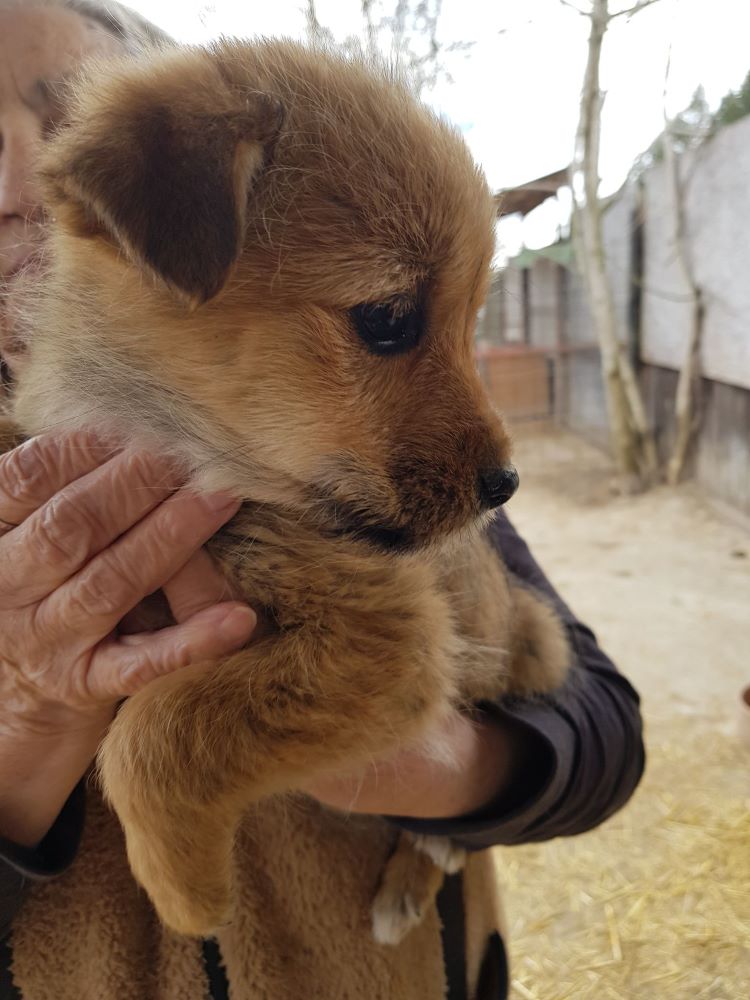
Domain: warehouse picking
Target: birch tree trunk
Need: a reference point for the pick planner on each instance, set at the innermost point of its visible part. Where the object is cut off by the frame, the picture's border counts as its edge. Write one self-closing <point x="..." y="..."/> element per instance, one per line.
<point x="686" y="415"/>
<point x="632" y="441"/>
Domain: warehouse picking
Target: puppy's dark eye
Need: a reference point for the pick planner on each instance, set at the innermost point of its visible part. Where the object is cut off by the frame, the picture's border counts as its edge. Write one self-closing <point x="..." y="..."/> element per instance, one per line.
<point x="388" y="328"/>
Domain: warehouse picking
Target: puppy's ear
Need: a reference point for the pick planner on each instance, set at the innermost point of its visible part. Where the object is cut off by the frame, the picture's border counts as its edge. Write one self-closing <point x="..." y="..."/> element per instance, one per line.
<point x="166" y="174"/>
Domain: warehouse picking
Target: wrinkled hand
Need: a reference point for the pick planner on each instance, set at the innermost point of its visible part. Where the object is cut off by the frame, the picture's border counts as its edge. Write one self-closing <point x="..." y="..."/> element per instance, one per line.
<point x="85" y="534"/>
<point x="92" y="539"/>
<point x="462" y="767"/>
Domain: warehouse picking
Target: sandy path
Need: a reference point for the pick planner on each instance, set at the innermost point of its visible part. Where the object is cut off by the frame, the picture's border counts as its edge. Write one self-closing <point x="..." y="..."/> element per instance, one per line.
<point x="655" y="904"/>
<point x="662" y="579"/>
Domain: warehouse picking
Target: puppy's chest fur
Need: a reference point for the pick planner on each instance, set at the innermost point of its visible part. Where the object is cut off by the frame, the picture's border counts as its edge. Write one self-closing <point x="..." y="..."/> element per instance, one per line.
<point x="504" y="638"/>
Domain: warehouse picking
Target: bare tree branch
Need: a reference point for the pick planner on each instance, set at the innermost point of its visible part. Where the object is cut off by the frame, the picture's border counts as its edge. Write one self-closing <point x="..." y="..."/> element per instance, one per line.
<point x="510" y="28"/>
<point x="416" y="21"/>
<point x="686" y="397"/>
<point x="628" y="12"/>
<point x="567" y="3"/>
<point x="371" y="32"/>
<point x="316" y="32"/>
<point x="632" y="441"/>
<point x="631" y="11"/>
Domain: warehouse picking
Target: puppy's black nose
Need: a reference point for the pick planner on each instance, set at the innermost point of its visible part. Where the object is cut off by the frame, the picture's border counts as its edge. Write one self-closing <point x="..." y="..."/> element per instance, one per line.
<point x="497" y="486"/>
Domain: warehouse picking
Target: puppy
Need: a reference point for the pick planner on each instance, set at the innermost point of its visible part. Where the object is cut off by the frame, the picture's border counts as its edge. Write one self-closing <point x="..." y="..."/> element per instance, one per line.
<point x="267" y="262"/>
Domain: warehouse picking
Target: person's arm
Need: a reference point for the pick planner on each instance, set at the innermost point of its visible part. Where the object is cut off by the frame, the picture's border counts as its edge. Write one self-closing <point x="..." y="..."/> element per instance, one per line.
<point x="85" y="534"/>
<point x="580" y="751"/>
<point x="20" y="865"/>
<point x="519" y="769"/>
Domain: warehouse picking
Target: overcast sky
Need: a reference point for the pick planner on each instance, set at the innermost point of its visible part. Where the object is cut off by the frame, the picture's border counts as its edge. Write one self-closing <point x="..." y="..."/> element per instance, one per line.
<point x="515" y="93"/>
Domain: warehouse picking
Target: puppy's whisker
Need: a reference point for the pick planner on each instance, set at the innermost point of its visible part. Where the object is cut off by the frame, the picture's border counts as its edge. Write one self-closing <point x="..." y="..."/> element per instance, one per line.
<point x="71" y="421"/>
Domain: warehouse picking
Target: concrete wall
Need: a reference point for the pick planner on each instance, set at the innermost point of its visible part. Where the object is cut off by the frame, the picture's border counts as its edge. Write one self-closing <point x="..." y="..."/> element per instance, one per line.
<point x="582" y="402"/>
<point x="544" y="304"/>
<point x="717" y="199"/>
<point x="579" y="327"/>
<point x="514" y="303"/>
<point x="582" y="405"/>
<point x="618" y="243"/>
<point x="490" y="322"/>
<point x="653" y="310"/>
<point x="720" y="459"/>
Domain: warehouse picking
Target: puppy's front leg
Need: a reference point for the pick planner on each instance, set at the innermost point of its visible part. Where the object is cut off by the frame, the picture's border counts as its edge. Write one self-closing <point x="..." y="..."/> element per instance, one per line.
<point x="186" y="757"/>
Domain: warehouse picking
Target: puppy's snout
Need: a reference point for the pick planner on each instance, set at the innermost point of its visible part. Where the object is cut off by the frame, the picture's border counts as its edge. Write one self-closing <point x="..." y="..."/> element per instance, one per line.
<point x="497" y="486"/>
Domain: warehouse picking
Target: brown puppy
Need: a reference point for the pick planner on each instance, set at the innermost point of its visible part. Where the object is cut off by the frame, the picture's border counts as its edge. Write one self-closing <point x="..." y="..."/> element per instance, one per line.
<point x="337" y="238"/>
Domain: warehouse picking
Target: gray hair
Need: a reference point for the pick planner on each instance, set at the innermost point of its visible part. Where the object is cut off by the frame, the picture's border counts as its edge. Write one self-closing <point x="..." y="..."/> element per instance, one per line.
<point x="131" y="29"/>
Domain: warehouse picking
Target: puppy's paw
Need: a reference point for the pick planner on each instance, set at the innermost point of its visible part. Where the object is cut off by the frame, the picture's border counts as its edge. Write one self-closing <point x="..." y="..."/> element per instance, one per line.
<point x="442" y="852"/>
<point x="411" y="881"/>
<point x="394" y="913"/>
<point x="541" y="653"/>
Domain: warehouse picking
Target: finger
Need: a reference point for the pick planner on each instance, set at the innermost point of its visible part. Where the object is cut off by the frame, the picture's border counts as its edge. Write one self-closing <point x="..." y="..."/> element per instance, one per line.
<point x="85" y="517"/>
<point x="37" y="469"/>
<point x="196" y="585"/>
<point x="121" y="667"/>
<point x="94" y="600"/>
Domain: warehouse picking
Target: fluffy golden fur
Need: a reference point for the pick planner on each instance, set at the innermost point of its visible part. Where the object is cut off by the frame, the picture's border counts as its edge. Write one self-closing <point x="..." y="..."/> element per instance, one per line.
<point x="304" y="878"/>
<point x="228" y="222"/>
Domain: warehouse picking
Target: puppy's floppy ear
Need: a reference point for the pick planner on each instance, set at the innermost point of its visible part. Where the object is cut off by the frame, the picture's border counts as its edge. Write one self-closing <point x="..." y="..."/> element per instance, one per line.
<point x="164" y="163"/>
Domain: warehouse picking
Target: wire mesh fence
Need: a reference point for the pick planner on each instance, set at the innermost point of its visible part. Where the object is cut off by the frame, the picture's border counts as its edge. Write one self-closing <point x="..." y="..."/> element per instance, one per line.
<point x="562" y="384"/>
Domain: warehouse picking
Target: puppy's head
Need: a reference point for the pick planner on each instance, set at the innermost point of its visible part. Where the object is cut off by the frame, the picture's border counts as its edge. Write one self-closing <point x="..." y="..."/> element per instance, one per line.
<point x="269" y="260"/>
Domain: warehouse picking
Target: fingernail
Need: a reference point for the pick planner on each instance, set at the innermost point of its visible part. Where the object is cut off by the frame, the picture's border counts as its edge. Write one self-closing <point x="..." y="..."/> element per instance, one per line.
<point x="238" y="624"/>
<point x="217" y="502"/>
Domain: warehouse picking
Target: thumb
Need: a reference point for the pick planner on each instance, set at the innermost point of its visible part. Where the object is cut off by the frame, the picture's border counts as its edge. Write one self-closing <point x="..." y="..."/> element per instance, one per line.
<point x="123" y="665"/>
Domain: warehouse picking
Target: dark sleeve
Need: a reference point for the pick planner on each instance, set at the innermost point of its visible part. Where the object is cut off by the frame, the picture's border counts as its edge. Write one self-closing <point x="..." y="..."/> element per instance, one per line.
<point x="584" y="753"/>
<point x="21" y="865"/>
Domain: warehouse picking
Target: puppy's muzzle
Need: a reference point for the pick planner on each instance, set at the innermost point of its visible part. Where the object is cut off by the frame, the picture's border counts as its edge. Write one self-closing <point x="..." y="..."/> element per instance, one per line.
<point x="497" y="486"/>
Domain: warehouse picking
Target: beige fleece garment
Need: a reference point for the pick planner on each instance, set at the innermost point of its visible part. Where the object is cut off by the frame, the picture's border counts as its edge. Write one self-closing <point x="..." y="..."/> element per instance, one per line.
<point x="305" y="878"/>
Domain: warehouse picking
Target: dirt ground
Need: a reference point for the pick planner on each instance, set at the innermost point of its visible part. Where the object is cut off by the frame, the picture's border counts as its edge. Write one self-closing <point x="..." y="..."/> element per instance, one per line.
<point x="655" y="905"/>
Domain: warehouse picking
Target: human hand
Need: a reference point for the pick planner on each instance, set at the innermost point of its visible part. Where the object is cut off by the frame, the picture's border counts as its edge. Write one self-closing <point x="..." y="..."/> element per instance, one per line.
<point x="85" y="534"/>
<point x="460" y="768"/>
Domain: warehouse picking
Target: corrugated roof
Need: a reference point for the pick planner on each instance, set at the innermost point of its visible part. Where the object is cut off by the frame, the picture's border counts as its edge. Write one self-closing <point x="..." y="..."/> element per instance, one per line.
<point x="558" y="253"/>
<point x="525" y="197"/>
